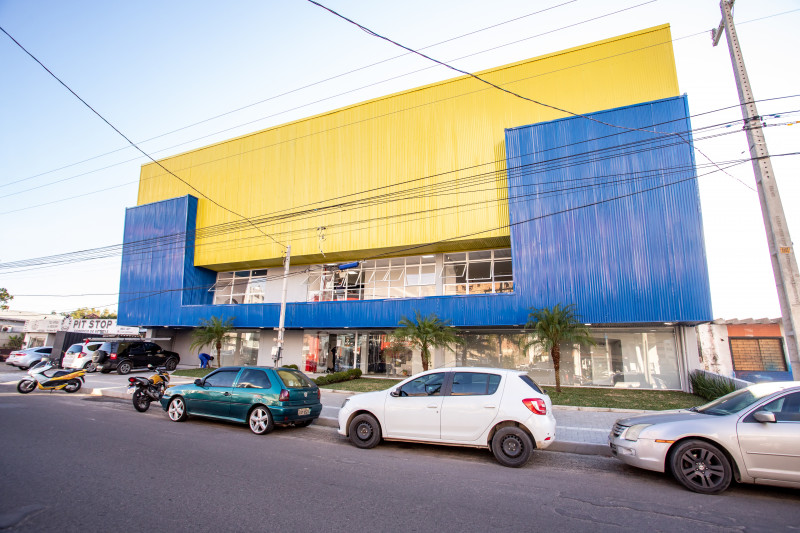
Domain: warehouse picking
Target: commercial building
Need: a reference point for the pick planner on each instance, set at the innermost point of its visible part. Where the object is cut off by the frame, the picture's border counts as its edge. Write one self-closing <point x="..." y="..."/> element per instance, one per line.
<point x="454" y="198"/>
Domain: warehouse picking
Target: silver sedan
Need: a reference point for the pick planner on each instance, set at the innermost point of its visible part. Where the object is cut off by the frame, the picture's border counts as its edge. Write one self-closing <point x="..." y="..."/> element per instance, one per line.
<point x="751" y="435"/>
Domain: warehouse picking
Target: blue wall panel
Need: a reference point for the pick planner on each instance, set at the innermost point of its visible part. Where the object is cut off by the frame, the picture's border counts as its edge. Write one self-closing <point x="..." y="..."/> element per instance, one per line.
<point x="602" y="217"/>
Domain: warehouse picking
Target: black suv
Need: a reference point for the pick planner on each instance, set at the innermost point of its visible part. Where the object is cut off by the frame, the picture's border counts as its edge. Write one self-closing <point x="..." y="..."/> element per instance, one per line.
<point x="123" y="356"/>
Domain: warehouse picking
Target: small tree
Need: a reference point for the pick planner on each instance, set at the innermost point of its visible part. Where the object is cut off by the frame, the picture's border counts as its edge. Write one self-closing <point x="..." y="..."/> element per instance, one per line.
<point x="4" y="298"/>
<point x="212" y="332"/>
<point x="15" y="342"/>
<point x="426" y="333"/>
<point x="552" y="327"/>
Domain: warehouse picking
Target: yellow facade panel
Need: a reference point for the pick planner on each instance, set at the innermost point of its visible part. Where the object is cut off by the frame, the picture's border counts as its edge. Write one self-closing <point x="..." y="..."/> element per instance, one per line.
<point x="425" y="167"/>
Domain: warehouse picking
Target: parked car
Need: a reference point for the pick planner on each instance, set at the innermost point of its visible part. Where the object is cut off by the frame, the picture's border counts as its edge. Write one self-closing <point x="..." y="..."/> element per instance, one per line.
<point x="258" y="396"/>
<point x="123" y="356"/>
<point x="751" y="435"/>
<point x="80" y="355"/>
<point x="503" y="410"/>
<point x="24" y="359"/>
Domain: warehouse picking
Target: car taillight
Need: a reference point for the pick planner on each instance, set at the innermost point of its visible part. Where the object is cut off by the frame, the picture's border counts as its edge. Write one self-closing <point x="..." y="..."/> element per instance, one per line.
<point x="319" y="395"/>
<point x="132" y="380"/>
<point x="112" y="356"/>
<point x="535" y="405"/>
<point x="284" y="397"/>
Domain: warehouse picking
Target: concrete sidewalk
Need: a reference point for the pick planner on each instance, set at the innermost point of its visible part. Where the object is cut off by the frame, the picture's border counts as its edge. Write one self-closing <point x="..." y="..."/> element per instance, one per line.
<point x="581" y="430"/>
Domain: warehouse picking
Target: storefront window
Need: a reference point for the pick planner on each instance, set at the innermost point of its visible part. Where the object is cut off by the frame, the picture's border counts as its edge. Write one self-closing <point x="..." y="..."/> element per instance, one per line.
<point x="240" y="348"/>
<point x="621" y="358"/>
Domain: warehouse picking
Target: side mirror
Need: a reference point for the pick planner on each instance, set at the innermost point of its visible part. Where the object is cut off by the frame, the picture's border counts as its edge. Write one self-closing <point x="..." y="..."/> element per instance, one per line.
<point x="395" y="393"/>
<point x="764" y="416"/>
<point x="198" y="382"/>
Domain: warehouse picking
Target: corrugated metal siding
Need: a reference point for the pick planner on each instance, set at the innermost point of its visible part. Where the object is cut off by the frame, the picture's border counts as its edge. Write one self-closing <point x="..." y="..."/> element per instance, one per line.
<point x="636" y="259"/>
<point x="639" y="258"/>
<point x="428" y="131"/>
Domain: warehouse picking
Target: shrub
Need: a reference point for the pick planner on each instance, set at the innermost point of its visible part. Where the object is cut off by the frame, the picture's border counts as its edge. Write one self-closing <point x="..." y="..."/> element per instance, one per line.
<point x="711" y="386"/>
<point x="338" y="377"/>
<point x="291" y="366"/>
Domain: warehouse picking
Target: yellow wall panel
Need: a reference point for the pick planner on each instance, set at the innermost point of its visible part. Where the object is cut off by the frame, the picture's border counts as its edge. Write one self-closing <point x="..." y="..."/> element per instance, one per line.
<point x="409" y="169"/>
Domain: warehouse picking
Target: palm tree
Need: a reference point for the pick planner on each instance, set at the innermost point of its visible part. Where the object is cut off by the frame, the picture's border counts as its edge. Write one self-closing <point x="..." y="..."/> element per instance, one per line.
<point x="212" y="332"/>
<point x="552" y="327"/>
<point x="426" y="332"/>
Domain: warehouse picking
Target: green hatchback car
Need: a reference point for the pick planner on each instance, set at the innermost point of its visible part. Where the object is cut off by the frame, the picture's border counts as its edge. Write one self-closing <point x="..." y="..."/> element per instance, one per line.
<point x="258" y="396"/>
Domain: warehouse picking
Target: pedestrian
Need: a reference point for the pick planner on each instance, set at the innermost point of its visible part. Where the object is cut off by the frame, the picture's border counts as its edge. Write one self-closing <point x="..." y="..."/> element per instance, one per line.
<point x="204" y="359"/>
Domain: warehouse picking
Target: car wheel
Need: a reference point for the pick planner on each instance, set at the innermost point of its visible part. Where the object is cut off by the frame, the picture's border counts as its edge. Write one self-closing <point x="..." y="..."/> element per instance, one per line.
<point x="260" y="420"/>
<point x="25" y="386"/>
<point x="73" y="385"/>
<point x="124" y="368"/>
<point x="171" y="364"/>
<point x="365" y="432"/>
<point x="140" y="401"/>
<point x="176" y="410"/>
<point x="702" y="467"/>
<point x="512" y="447"/>
<point x="91" y="366"/>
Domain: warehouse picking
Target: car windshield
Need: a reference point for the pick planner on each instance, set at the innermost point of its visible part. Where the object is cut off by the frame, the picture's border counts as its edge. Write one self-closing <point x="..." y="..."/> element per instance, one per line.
<point x="75" y="348"/>
<point x="737" y="400"/>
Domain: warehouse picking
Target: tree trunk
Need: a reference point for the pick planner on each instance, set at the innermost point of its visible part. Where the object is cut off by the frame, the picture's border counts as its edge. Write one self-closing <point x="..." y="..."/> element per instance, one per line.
<point x="424" y="355"/>
<point x="219" y="357"/>
<point x="555" y="353"/>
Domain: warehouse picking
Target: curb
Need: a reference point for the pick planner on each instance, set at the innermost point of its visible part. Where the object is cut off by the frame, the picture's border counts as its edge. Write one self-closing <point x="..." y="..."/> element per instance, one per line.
<point x="601" y="409"/>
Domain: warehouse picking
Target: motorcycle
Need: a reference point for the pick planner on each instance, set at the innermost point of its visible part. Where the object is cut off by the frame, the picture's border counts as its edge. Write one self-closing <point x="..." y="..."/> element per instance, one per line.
<point x="146" y="390"/>
<point x="67" y="380"/>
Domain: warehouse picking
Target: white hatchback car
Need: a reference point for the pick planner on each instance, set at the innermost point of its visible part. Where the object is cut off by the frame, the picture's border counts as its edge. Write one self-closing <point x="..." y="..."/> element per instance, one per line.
<point x="503" y="410"/>
<point x="79" y="355"/>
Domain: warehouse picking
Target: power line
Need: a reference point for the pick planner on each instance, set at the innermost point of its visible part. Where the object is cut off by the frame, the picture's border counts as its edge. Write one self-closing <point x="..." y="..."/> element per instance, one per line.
<point x="310" y="209"/>
<point x="289" y="92"/>
<point x="127" y="139"/>
<point x="354" y="90"/>
<point x="405" y="194"/>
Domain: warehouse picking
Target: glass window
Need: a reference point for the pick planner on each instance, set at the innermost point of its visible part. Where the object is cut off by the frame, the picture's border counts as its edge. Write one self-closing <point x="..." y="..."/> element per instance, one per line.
<point x="292" y="379"/>
<point x="428" y="385"/>
<point x="75" y="348"/>
<point x="786" y="408"/>
<point x="254" y="379"/>
<point x="221" y="378"/>
<point x="474" y="384"/>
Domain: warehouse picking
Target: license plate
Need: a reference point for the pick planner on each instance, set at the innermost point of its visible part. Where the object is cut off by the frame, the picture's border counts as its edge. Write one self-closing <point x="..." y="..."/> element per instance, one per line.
<point x="304" y="411"/>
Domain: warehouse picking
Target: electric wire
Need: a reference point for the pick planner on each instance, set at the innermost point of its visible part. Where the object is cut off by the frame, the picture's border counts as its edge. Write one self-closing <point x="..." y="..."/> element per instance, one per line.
<point x="340" y="94"/>
<point x="93" y="110"/>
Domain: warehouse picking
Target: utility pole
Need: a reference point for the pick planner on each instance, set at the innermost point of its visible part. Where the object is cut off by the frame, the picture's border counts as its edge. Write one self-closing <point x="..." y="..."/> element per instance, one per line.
<point x="282" y="321"/>
<point x="784" y="263"/>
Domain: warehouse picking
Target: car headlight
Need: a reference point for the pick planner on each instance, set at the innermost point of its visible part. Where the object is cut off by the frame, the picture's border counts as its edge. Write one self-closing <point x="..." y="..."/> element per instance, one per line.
<point x="632" y="434"/>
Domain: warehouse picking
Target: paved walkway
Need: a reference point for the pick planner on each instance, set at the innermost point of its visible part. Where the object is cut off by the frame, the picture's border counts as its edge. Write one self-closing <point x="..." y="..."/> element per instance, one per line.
<point x="579" y="429"/>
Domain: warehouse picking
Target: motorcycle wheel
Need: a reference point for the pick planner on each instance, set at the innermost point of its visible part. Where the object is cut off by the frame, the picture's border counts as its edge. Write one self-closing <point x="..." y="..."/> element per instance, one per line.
<point x="140" y="401"/>
<point x="74" y="385"/>
<point x="25" y="386"/>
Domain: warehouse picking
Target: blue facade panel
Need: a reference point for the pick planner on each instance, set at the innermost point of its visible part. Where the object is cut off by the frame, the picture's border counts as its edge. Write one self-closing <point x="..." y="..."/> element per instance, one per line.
<point x="602" y="217"/>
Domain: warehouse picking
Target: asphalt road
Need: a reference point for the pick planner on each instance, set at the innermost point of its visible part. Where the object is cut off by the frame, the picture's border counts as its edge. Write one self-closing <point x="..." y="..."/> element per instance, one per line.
<point x="79" y="463"/>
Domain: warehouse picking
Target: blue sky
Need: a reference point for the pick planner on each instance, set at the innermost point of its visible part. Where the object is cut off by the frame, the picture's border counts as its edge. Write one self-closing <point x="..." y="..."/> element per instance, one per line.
<point x="154" y="67"/>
